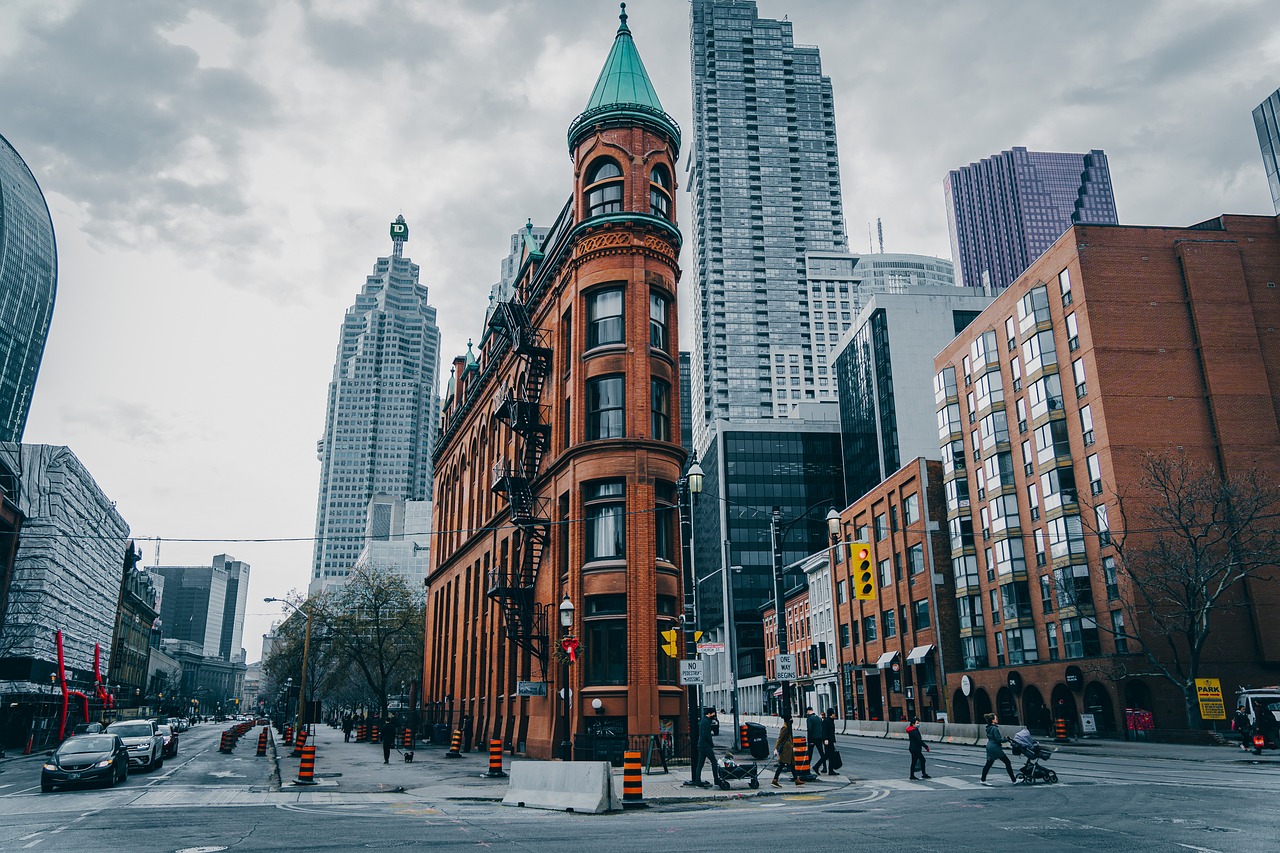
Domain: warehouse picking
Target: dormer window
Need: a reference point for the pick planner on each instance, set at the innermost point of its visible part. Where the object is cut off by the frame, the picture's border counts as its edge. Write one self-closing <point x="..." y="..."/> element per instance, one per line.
<point x="604" y="188"/>
<point x="660" y="192"/>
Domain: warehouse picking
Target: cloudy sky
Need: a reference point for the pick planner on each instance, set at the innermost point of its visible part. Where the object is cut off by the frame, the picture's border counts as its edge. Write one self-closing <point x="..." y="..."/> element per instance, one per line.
<point x="221" y="175"/>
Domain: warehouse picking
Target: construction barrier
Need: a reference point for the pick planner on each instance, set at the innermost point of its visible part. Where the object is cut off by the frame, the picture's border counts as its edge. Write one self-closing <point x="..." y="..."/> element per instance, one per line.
<point x="455" y="745"/>
<point x="406" y="741"/>
<point x="226" y="744"/>
<point x="374" y="739"/>
<point x="1060" y="731"/>
<point x="299" y="743"/>
<point x="307" y="767"/>
<point x="632" y="781"/>
<point x="569" y="786"/>
<point x="262" y="742"/>
<point x="362" y="733"/>
<point x="800" y="745"/>
<point x="495" y="760"/>
<point x="288" y="735"/>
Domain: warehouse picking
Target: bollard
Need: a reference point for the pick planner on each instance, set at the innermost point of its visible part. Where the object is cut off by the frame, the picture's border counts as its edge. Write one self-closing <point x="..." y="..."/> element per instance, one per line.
<point x="262" y="742"/>
<point x="455" y="745"/>
<point x="633" y="782"/>
<point x="800" y="745"/>
<point x="495" y="760"/>
<point x="742" y="737"/>
<point x="299" y="743"/>
<point x="1060" y="731"/>
<point x="307" y="767"/>
<point x="407" y="740"/>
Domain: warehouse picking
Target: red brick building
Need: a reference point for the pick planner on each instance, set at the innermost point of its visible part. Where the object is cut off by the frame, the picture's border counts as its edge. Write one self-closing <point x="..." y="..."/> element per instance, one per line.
<point x="1116" y="343"/>
<point x="799" y="643"/>
<point x="559" y="456"/>
<point x="899" y="650"/>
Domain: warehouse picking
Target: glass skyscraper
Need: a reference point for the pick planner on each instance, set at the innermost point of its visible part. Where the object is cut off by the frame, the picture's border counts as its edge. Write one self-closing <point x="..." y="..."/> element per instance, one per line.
<point x="1005" y="210"/>
<point x="1264" y="120"/>
<point x="28" y="282"/>
<point x="765" y="179"/>
<point x="383" y="410"/>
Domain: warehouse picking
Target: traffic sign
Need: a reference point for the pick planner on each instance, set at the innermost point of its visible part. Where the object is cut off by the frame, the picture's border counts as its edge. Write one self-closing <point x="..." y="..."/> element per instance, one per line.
<point x="710" y="648"/>
<point x="786" y="667"/>
<point x="691" y="672"/>
<point x="1209" y="692"/>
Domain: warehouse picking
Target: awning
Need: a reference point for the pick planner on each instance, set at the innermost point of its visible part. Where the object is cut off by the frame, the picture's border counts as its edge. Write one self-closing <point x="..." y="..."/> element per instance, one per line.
<point x="918" y="653"/>
<point x="885" y="659"/>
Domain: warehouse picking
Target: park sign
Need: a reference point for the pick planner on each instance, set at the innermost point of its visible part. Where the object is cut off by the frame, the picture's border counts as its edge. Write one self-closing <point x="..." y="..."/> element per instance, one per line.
<point x="1209" y="692"/>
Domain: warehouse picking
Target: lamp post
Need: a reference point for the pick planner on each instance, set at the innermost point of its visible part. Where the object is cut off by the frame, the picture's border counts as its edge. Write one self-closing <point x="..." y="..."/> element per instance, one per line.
<point x="731" y="636"/>
<point x="691" y="486"/>
<point x="566" y="629"/>
<point x="306" y="654"/>
<point x="778" y="534"/>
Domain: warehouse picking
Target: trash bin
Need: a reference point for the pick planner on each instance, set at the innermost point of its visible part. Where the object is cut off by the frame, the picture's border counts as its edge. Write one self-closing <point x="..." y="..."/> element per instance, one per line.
<point x="757" y="741"/>
<point x="440" y="734"/>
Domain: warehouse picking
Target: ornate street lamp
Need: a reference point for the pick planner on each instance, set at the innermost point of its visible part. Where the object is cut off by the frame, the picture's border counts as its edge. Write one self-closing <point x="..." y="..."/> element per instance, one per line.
<point x="566" y="630"/>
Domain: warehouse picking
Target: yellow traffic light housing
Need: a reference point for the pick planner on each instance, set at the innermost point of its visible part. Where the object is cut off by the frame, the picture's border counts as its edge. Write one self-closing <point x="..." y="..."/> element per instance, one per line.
<point x="671" y="644"/>
<point x="864" y="578"/>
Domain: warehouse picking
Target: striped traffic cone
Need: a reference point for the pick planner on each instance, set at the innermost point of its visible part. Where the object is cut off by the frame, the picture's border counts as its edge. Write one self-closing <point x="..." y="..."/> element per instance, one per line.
<point x="407" y="741"/>
<point x="495" y="760"/>
<point x="299" y="743"/>
<point x="633" y="782"/>
<point x="307" y="767"/>
<point x="455" y="745"/>
<point x="262" y="742"/>
<point x="800" y="746"/>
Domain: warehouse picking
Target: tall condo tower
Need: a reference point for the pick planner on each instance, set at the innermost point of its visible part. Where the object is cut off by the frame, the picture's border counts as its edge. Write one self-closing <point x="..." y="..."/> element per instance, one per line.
<point x="383" y="411"/>
<point x="28" y="281"/>
<point x="1005" y="210"/>
<point x="1268" y="128"/>
<point x="765" y="179"/>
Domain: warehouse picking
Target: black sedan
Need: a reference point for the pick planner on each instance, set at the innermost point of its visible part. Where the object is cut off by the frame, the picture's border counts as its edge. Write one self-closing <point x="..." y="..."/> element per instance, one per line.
<point x="86" y="759"/>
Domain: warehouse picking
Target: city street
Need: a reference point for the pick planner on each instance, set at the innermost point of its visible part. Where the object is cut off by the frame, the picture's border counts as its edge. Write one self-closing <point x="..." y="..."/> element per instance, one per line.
<point x="1124" y="797"/>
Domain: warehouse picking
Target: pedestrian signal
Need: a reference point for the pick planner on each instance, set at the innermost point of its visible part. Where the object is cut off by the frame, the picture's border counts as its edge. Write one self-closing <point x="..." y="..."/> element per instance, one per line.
<point x="670" y="643"/>
<point x="864" y="579"/>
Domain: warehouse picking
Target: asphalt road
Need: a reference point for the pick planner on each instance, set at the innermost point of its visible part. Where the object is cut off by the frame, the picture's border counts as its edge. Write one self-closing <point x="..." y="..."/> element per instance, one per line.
<point x="1103" y="802"/>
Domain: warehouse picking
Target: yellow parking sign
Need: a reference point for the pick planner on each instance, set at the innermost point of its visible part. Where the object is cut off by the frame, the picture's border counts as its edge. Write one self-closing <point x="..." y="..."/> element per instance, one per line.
<point x="1209" y="692"/>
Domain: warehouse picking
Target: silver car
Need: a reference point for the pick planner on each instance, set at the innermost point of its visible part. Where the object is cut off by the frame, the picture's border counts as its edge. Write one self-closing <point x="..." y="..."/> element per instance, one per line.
<point x="146" y="747"/>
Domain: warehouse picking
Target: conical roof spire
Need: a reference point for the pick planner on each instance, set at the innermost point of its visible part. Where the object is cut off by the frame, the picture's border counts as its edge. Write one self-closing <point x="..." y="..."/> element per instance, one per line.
<point x="623" y="91"/>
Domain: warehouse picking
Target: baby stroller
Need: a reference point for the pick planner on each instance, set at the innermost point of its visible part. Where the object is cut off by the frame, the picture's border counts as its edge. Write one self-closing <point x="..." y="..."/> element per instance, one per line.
<point x="730" y="770"/>
<point x="1032" y="771"/>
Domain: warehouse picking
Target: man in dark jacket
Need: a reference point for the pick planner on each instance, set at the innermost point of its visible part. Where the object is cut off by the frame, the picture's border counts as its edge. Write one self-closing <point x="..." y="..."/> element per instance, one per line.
<point x="917" y="747"/>
<point x="706" y="750"/>
<point x="388" y="733"/>
<point x="827" y="744"/>
<point x="813" y="733"/>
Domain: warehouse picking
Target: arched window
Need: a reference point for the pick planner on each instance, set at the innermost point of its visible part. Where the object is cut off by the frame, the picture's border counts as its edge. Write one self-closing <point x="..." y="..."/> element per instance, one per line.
<point x="604" y="188"/>
<point x="660" y="192"/>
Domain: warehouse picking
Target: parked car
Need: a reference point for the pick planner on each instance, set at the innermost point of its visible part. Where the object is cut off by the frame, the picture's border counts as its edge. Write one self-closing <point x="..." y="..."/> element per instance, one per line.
<point x="146" y="747"/>
<point x="170" y="738"/>
<point x="88" y="729"/>
<point x="86" y="759"/>
<point x="1261" y="706"/>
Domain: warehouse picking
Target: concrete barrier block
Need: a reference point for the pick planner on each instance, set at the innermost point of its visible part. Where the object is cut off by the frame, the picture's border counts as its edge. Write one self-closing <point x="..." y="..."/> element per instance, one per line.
<point x="898" y="731"/>
<point x="570" y="786"/>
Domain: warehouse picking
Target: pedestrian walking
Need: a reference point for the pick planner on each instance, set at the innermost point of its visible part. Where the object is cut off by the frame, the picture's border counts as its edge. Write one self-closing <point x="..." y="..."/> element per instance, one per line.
<point x="995" y="749"/>
<point x="784" y="749"/>
<point x="915" y="742"/>
<point x="813" y="734"/>
<point x="706" y="750"/>
<point x="388" y="734"/>
<point x="827" y="744"/>
<point x="348" y="723"/>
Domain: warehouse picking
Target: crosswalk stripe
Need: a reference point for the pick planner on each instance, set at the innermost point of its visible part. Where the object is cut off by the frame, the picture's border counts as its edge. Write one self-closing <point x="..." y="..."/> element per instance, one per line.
<point x="956" y="782"/>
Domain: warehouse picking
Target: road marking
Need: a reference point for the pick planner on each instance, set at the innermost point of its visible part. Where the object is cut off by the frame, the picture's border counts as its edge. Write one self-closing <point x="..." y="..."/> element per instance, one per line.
<point x="1199" y="849"/>
<point x="32" y="844"/>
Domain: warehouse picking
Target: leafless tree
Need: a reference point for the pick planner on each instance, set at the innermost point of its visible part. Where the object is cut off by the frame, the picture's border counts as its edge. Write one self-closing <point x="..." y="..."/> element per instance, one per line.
<point x="1190" y="540"/>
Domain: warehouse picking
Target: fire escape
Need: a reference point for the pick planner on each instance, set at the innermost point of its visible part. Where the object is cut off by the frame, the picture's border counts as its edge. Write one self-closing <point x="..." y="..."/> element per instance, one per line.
<point x="520" y="407"/>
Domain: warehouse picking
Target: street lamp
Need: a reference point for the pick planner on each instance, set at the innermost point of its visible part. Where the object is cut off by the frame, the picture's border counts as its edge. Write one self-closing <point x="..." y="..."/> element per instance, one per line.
<point x="777" y="534"/>
<point x="566" y="628"/>
<point x="691" y="486"/>
<point x="731" y="635"/>
<point x="306" y="654"/>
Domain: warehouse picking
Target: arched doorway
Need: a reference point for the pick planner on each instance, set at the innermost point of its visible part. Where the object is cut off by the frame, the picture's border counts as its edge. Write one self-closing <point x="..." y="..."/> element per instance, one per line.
<point x="1035" y="713"/>
<point x="1064" y="707"/>
<point x="981" y="704"/>
<point x="960" y="708"/>
<point x="1097" y="701"/>
<point x="1007" y="707"/>
<point x="1137" y="695"/>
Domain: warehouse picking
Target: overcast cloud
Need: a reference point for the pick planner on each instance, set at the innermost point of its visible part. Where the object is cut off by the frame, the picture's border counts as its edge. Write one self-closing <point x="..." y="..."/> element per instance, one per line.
<point x="221" y="176"/>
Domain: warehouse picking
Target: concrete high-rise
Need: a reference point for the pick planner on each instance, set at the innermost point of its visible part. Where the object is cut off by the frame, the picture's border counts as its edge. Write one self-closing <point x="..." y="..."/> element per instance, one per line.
<point x="765" y="179"/>
<point x="28" y="282"/>
<point x="383" y="411"/>
<point x="205" y="605"/>
<point x="1005" y="210"/>
<point x="1265" y="122"/>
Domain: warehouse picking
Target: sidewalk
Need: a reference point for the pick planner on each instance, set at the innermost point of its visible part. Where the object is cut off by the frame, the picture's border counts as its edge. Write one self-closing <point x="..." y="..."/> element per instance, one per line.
<point x="358" y="768"/>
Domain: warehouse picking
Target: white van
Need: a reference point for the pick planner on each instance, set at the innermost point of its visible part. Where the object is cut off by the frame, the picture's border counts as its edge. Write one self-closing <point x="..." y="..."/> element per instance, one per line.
<point x="1262" y="706"/>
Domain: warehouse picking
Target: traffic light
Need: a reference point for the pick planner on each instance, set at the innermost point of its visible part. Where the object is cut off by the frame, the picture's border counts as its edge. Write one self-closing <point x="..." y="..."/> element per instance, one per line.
<point x="864" y="579"/>
<point x="822" y="655"/>
<point x="672" y="642"/>
<point x="813" y="657"/>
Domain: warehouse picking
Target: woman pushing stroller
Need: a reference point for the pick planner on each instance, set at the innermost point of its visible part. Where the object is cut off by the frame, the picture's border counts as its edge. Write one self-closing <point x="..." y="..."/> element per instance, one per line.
<point x="995" y="749"/>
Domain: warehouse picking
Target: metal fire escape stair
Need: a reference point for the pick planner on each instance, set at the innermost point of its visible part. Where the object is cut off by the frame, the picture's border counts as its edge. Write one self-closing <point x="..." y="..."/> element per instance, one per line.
<point x="519" y="406"/>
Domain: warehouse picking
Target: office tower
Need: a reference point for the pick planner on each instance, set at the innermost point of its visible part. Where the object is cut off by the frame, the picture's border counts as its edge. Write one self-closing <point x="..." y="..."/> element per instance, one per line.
<point x="1004" y="211"/>
<point x="686" y="401"/>
<point x="1268" y="128"/>
<point x="398" y="539"/>
<point x="1116" y="344"/>
<point x="28" y="282"/>
<point x="885" y="375"/>
<point x="559" y="457"/>
<point x="205" y="605"/>
<point x="501" y="290"/>
<point x="382" y="416"/>
<point x="765" y="180"/>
